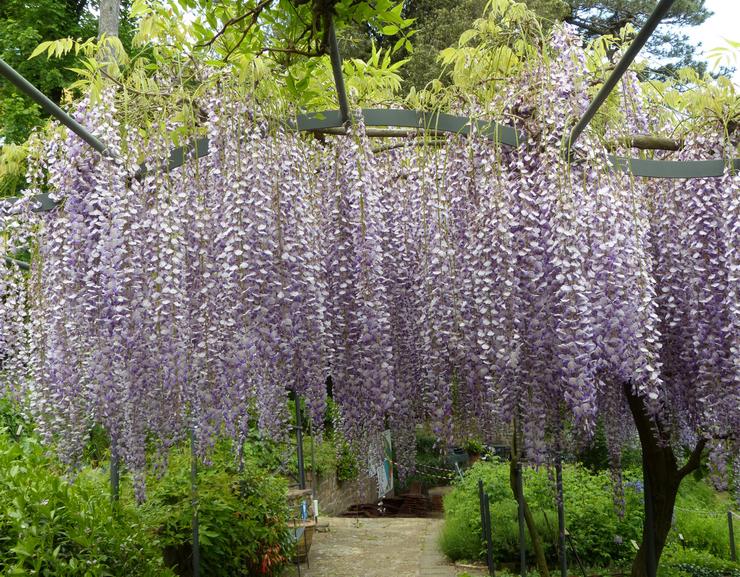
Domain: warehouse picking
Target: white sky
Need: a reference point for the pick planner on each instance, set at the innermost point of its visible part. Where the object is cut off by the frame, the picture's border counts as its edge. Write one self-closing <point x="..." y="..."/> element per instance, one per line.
<point x="724" y="23"/>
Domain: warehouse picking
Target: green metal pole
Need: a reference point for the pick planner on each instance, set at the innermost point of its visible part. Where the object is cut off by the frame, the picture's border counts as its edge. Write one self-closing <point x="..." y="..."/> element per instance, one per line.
<point x="642" y="37"/>
<point x="299" y="442"/>
<point x="336" y="67"/>
<point x="115" y="477"/>
<point x="194" y="504"/>
<point x="35" y="94"/>
<point x="561" y="517"/>
<point x="19" y="263"/>
<point x="520" y="511"/>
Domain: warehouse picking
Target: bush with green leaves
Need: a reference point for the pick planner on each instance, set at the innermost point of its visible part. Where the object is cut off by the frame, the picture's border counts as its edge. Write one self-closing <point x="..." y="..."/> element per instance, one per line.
<point x="686" y="562"/>
<point x="599" y="534"/>
<point x="601" y="537"/>
<point x="243" y="516"/>
<point x="55" y="527"/>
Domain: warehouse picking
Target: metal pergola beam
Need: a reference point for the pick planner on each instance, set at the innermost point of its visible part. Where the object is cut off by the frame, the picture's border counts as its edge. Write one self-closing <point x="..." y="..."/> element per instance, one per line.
<point x="336" y="68"/>
<point x="634" y="48"/>
<point x="50" y="107"/>
<point x="434" y="123"/>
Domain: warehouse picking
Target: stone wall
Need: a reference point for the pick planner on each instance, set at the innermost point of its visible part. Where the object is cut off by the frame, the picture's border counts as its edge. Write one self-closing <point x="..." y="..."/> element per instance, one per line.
<point x="336" y="497"/>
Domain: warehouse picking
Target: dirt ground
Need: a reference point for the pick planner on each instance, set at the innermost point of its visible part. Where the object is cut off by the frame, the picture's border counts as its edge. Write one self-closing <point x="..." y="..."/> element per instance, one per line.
<point x="385" y="547"/>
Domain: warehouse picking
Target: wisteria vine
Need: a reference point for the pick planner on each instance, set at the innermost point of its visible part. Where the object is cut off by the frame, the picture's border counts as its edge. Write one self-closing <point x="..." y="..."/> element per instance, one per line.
<point x="432" y="283"/>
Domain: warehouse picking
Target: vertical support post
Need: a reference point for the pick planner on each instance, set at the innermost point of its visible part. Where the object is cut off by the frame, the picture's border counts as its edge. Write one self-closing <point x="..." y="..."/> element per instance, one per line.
<point x="299" y="442"/>
<point x="483" y="516"/>
<point x="520" y="503"/>
<point x="561" y="516"/>
<point x="651" y="565"/>
<point x="336" y="67"/>
<point x="489" y="536"/>
<point x="115" y="476"/>
<point x="194" y="503"/>
<point x="314" y="488"/>
<point x="731" y="531"/>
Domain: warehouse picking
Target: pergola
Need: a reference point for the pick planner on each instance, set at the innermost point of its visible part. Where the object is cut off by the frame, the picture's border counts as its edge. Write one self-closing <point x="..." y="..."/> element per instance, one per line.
<point x="386" y="123"/>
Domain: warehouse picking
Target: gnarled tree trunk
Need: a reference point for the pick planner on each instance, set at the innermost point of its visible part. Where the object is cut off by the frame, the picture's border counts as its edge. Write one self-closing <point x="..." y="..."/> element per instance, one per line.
<point x="664" y="477"/>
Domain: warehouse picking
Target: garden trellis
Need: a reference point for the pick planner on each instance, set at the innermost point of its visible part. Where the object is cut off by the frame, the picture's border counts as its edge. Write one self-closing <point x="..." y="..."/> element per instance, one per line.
<point x="503" y="280"/>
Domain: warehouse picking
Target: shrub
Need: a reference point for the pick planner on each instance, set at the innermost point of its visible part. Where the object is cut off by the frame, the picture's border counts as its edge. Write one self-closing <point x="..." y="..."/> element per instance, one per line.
<point x="50" y="526"/>
<point x="696" y="564"/>
<point x="600" y="536"/>
<point x="242" y="517"/>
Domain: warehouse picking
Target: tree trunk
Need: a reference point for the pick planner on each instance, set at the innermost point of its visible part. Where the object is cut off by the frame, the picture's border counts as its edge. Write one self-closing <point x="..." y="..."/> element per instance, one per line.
<point x="534" y="535"/>
<point x="110" y="15"/>
<point x="664" y="476"/>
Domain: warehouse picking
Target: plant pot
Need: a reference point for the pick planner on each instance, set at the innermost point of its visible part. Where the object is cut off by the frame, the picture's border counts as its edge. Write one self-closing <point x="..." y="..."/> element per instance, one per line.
<point x="303" y="543"/>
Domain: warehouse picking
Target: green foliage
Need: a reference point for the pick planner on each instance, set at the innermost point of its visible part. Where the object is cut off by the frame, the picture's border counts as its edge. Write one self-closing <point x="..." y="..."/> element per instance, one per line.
<point x="23" y="26"/>
<point x="13" y="158"/>
<point x="701" y="518"/>
<point x="242" y="515"/>
<point x="668" y="44"/>
<point x="474" y="447"/>
<point x="679" y="562"/>
<point x="599" y="534"/>
<point x="347" y="467"/>
<point x="13" y="422"/>
<point x="431" y="462"/>
<point x="440" y="24"/>
<point x="596" y="455"/>
<point x="50" y="526"/>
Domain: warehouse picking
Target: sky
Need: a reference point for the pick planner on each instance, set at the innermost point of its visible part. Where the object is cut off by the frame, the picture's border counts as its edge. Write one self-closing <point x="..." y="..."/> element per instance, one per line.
<point x="724" y="23"/>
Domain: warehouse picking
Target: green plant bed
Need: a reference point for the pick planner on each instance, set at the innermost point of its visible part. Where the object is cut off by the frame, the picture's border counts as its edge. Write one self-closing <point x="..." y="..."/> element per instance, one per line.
<point x="602" y="538"/>
<point x="243" y="517"/>
<point x="680" y="562"/>
<point x="53" y="525"/>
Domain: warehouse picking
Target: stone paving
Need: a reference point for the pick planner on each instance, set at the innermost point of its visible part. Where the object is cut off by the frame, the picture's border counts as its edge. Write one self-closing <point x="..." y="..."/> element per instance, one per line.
<point x="385" y="547"/>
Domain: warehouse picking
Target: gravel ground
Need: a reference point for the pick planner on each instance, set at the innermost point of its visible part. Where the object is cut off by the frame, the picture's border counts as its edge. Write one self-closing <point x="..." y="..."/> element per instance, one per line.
<point x="388" y="547"/>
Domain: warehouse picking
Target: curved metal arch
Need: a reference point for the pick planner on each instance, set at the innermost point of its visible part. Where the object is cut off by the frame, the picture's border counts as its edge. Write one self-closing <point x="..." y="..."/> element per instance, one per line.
<point x="501" y="133"/>
<point x="442" y="122"/>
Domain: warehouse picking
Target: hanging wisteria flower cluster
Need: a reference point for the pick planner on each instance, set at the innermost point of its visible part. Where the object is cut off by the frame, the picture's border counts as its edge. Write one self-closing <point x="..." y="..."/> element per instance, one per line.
<point x="432" y="283"/>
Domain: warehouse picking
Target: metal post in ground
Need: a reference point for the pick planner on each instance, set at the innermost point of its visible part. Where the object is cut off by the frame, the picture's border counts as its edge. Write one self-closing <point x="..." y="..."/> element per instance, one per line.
<point x="115" y="477"/>
<point x="299" y="442"/>
<point x="520" y="501"/>
<point x="194" y="504"/>
<point x="561" y="516"/>
<point x="482" y="506"/>
<point x="731" y="530"/>
<point x="489" y="536"/>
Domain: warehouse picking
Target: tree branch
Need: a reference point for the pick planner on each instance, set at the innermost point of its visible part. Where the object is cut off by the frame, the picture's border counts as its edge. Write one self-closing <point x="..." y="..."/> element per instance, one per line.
<point x="694" y="459"/>
<point x="646" y="142"/>
<point x="254" y="13"/>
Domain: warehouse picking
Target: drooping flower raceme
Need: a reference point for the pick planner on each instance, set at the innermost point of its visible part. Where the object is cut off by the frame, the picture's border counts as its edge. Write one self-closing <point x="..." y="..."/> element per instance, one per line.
<point x="462" y="284"/>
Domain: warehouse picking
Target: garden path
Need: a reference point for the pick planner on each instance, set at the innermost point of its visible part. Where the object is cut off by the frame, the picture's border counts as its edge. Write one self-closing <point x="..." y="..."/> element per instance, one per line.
<point x="385" y="547"/>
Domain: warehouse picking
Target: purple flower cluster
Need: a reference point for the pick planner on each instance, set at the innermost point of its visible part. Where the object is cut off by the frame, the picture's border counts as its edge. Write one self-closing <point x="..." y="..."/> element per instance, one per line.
<point x="460" y="285"/>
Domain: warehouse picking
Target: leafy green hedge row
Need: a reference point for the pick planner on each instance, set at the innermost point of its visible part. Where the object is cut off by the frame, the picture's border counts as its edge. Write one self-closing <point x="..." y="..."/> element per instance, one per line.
<point x="679" y="562"/>
<point x="51" y="527"/>
<point x="600" y="536"/>
<point x="56" y="526"/>
<point x="242" y="516"/>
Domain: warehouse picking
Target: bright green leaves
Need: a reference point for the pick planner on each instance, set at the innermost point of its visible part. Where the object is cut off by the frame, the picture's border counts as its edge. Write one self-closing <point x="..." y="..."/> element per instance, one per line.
<point x="727" y="54"/>
<point x="49" y="526"/>
<point x="494" y="49"/>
